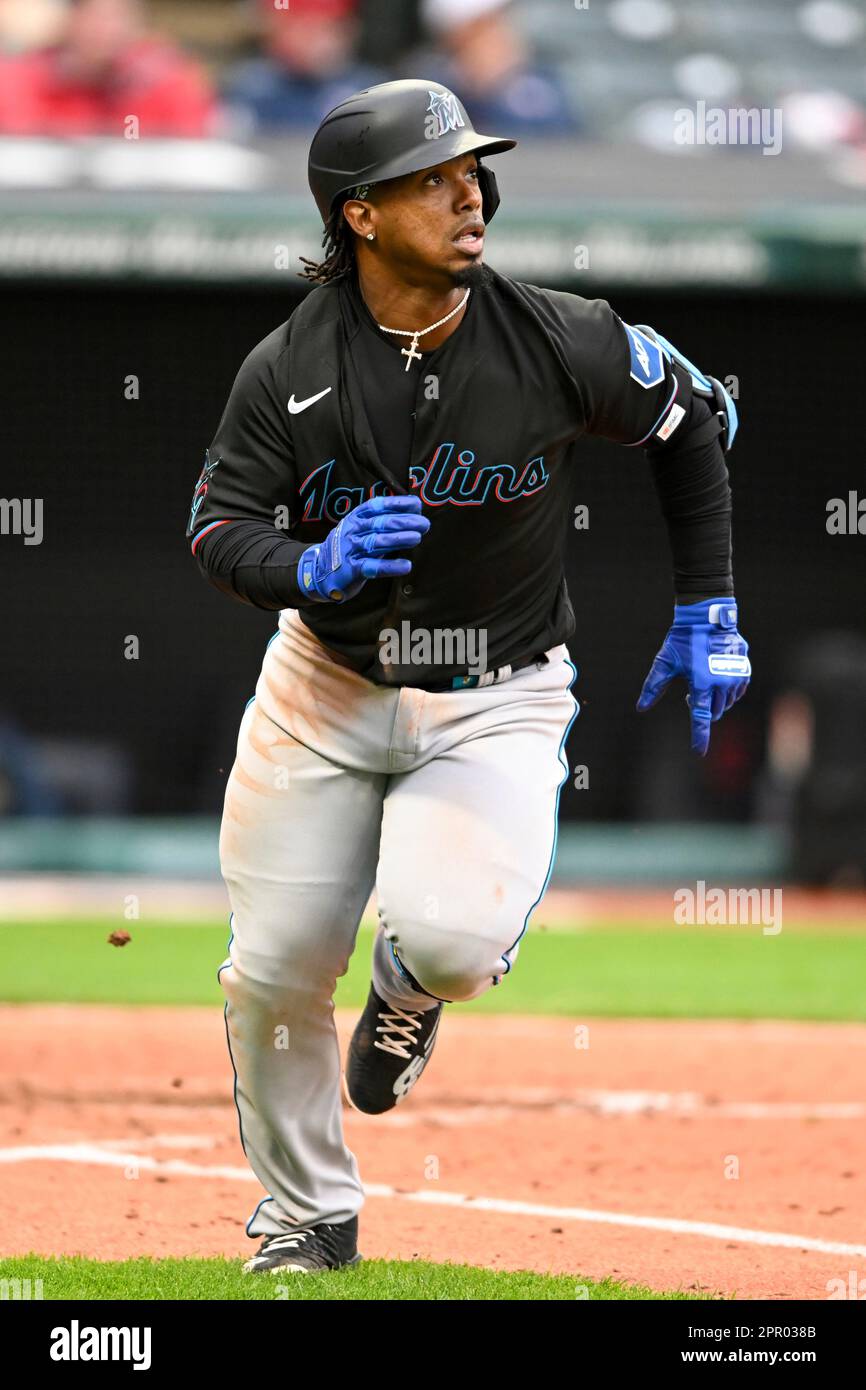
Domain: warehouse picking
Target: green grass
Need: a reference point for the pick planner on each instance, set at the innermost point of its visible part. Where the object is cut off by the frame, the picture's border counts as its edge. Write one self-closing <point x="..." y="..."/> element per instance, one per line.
<point x="674" y="972"/>
<point x="373" y="1280"/>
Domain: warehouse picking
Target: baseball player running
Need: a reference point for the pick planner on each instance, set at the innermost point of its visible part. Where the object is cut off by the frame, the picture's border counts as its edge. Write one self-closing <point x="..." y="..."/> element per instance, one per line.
<point x="393" y="475"/>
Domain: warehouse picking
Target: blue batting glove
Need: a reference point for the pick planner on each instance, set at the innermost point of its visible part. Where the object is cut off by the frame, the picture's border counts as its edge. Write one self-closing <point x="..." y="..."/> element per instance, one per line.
<point x="705" y="648"/>
<point x="341" y="564"/>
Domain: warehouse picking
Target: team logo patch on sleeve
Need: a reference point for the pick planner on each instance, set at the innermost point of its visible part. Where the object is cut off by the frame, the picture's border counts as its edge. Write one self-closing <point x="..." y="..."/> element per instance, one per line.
<point x="201" y="488"/>
<point x="647" y="358"/>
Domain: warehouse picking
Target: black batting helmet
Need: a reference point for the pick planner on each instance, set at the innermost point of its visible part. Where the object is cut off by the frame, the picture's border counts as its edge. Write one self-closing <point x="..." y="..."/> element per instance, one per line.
<point x="392" y="129"/>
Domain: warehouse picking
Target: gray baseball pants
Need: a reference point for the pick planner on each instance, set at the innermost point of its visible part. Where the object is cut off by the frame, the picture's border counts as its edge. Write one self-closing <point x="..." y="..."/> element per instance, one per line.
<point x="446" y="802"/>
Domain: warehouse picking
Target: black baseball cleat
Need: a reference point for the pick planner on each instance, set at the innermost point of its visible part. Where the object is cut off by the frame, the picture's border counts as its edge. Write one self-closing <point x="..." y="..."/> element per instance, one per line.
<point x="307" y="1250"/>
<point x="390" y="1048"/>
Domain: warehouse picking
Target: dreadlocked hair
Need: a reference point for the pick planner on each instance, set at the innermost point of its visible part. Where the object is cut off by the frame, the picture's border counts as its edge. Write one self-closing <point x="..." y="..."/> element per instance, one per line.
<point x="339" y="252"/>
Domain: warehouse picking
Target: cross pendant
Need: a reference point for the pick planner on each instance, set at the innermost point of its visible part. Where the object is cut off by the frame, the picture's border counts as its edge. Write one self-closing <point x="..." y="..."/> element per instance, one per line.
<point x="409" y="353"/>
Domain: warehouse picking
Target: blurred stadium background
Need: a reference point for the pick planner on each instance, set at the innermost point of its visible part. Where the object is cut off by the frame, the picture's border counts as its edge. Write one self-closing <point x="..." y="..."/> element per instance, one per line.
<point x="164" y="250"/>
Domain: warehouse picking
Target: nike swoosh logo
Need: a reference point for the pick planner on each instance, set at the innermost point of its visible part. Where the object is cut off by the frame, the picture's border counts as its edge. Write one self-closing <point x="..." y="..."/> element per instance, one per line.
<point x="295" y="407"/>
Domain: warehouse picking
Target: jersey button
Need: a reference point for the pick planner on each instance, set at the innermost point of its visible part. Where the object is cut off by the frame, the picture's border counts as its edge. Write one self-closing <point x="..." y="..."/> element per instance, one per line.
<point x="407" y="589"/>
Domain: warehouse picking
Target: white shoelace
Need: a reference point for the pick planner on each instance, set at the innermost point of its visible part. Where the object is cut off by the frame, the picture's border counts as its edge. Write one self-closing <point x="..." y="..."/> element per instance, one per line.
<point x="286" y="1242"/>
<point x="403" y="1025"/>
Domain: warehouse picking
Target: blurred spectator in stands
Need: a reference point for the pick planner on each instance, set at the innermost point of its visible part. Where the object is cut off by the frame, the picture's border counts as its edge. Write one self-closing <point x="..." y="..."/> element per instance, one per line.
<point x="387" y="32"/>
<point x="24" y="791"/>
<point x="814" y="780"/>
<point x="105" y="68"/>
<point x="26" y="24"/>
<point x="308" y="67"/>
<point x="481" y="56"/>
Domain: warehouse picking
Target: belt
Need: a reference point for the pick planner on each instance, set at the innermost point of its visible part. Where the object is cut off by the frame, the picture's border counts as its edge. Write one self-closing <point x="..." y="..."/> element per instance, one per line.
<point x="495" y="677"/>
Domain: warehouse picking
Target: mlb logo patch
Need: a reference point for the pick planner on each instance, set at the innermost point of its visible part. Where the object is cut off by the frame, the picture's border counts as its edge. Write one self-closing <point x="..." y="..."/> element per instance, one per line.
<point x="647" y="358"/>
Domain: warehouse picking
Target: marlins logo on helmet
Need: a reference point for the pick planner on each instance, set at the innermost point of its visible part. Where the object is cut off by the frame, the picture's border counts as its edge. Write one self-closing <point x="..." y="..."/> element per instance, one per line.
<point x="445" y="114"/>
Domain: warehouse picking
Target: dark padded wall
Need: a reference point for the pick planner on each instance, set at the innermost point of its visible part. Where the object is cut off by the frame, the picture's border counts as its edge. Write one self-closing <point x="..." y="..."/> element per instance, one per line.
<point x="116" y="477"/>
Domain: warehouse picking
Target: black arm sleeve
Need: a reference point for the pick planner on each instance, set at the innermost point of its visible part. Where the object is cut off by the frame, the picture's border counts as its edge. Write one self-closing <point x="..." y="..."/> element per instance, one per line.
<point x="249" y="561"/>
<point x="245" y="500"/>
<point x="691" y="479"/>
<point x="689" y="469"/>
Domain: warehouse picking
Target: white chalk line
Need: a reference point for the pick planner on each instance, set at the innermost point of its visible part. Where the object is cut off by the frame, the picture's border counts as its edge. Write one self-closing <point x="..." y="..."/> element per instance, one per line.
<point x="548" y="1102"/>
<point x="495" y="1107"/>
<point x="161" y="1141"/>
<point x="94" y="1154"/>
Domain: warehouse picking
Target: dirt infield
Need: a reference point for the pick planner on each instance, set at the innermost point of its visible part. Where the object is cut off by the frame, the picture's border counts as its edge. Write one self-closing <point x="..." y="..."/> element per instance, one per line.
<point x="727" y="1156"/>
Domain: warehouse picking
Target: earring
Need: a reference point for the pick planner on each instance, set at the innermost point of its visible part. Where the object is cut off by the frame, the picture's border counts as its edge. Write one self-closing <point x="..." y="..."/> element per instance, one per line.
<point x="371" y="236"/>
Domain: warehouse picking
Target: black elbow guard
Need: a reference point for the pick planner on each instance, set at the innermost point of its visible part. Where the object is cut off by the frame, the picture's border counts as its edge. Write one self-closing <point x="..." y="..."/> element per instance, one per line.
<point x="720" y="401"/>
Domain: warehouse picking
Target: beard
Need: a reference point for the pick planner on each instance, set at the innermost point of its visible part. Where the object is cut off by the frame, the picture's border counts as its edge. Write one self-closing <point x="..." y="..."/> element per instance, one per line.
<point x="476" y="275"/>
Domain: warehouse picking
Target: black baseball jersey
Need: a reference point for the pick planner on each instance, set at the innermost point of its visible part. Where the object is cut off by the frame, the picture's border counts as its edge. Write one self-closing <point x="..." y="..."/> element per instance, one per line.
<point x="485" y="429"/>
